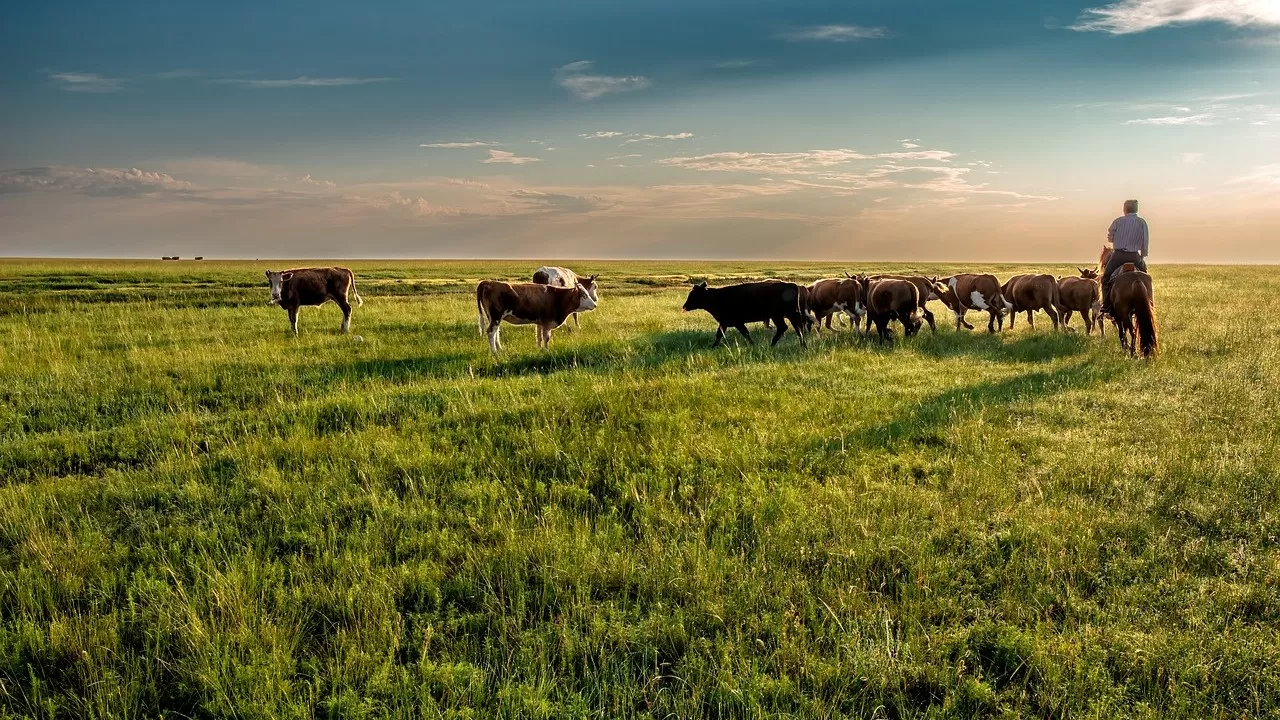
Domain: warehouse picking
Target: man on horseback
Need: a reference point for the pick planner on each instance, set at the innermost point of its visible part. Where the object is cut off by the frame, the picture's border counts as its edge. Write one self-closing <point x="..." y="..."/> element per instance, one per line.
<point x="1130" y="239"/>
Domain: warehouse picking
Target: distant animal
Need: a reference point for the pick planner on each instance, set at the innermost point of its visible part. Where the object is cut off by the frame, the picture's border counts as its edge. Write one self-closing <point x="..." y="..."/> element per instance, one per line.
<point x="1133" y="309"/>
<point x="199" y="257"/>
<point x="291" y="289"/>
<point x="828" y="297"/>
<point x="889" y="299"/>
<point x="566" y="278"/>
<point x="1028" y="293"/>
<point x="546" y="306"/>
<point x="926" y="288"/>
<point x="1083" y="295"/>
<point x="733" y="306"/>
<point x="962" y="293"/>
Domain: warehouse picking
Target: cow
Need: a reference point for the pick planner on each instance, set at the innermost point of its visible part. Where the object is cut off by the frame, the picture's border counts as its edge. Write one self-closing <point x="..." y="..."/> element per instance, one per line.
<point x="291" y="289"/>
<point x="924" y="285"/>
<point x="1083" y="295"/>
<point x="888" y="299"/>
<point x="962" y="293"/>
<point x="1028" y="293"/>
<point x="733" y="306"/>
<point x="566" y="278"/>
<point x="546" y="306"/>
<point x="825" y="298"/>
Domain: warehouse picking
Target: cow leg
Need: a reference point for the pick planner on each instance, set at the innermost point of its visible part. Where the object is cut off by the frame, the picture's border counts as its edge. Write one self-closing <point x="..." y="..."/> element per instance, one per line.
<point x="1066" y="319"/>
<point x="346" y="313"/>
<point x="546" y="337"/>
<point x="798" y="324"/>
<point x="1053" y="315"/>
<point x="828" y="320"/>
<point x="904" y="317"/>
<point x="293" y="320"/>
<point x="991" y="321"/>
<point x="1012" y="317"/>
<point x="719" y="337"/>
<point x="959" y="321"/>
<point x="495" y="344"/>
<point x="928" y="317"/>
<point x="882" y="327"/>
<point x="742" y="329"/>
<point x="1031" y="319"/>
<point x="782" y="330"/>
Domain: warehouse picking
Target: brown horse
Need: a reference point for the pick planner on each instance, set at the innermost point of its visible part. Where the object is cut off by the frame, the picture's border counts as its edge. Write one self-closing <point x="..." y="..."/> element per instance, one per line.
<point x="1104" y="257"/>
<point x="1132" y="304"/>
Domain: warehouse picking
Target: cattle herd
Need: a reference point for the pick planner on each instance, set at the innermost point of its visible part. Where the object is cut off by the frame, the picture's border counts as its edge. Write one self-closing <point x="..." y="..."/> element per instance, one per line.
<point x="557" y="293"/>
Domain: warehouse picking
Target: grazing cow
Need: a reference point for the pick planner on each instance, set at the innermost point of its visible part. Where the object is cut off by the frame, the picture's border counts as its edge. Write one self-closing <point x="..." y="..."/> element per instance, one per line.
<point x="926" y="288"/>
<point x="291" y="289"/>
<point x="888" y="299"/>
<point x="825" y="298"/>
<point x="1083" y="295"/>
<point x="733" y="306"/>
<point x="962" y="293"/>
<point x="1028" y="293"/>
<point x="566" y="278"/>
<point x="546" y="306"/>
<point x="1132" y="302"/>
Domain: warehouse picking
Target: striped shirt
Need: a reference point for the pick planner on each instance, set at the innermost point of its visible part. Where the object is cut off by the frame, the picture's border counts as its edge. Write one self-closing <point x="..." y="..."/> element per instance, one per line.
<point x="1129" y="233"/>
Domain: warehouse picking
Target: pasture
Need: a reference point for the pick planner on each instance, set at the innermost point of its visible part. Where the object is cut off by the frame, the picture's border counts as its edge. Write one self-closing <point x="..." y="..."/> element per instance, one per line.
<point x="202" y="516"/>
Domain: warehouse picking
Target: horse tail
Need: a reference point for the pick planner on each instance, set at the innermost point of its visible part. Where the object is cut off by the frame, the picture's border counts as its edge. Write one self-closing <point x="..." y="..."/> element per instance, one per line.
<point x="1148" y="333"/>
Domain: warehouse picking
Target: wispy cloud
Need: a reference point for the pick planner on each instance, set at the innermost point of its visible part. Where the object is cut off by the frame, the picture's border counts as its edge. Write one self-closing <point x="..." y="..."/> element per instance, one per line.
<point x="909" y="143"/>
<point x="86" y="82"/>
<point x="503" y="156"/>
<point x="98" y="182"/>
<point x="308" y="180"/>
<point x="647" y="138"/>
<point x="601" y="135"/>
<point x="737" y="64"/>
<point x="624" y="157"/>
<point x="834" y="33"/>
<point x="1134" y="16"/>
<point x="301" y="81"/>
<point x="792" y="162"/>
<point x="539" y="201"/>
<point x="1267" y="175"/>
<point x="460" y="144"/>
<point x="1193" y="158"/>
<point x="578" y="78"/>
<point x="1199" y="119"/>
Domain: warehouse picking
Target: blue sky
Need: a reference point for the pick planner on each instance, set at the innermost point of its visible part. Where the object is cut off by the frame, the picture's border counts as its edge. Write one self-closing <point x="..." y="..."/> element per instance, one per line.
<point x="852" y="130"/>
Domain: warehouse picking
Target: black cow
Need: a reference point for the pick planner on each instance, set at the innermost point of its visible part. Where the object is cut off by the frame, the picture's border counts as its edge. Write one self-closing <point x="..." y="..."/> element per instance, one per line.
<point x="734" y="306"/>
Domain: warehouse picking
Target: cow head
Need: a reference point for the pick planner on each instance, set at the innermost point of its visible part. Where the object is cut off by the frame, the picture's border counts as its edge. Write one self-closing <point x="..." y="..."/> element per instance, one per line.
<point x="277" y="280"/>
<point x="592" y="288"/>
<point x="697" y="297"/>
<point x="942" y="289"/>
<point x="585" y="301"/>
<point x="1088" y="273"/>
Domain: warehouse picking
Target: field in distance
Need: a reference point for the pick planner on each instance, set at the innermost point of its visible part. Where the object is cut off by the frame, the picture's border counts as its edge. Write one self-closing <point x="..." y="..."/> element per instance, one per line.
<point x="202" y="516"/>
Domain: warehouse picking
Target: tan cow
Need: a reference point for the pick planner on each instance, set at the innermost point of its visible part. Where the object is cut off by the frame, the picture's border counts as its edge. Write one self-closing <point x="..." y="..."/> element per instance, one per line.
<point x="546" y="306"/>
<point x="1028" y="293"/>
<point x="924" y="285"/>
<point x="890" y="299"/>
<point x="1083" y="295"/>
<point x="564" y="277"/>
<point x="291" y="289"/>
<point x="826" y="298"/>
<point x="962" y="293"/>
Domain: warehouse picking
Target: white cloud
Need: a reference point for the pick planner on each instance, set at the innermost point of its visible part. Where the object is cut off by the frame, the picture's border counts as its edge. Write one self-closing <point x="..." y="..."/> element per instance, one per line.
<point x="577" y="78"/>
<point x="646" y="138"/>
<point x="1193" y="158"/>
<point x="502" y="156"/>
<point x="100" y="182"/>
<point x="624" y="157"/>
<point x="1266" y="175"/>
<point x="1134" y="16"/>
<point x="601" y="135"/>
<point x="539" y="201"/>
<point x="86" y="82"/>
<point x="302" y="81"/>
<point x="458" y="145"/>
<point x="834" y="33"/>
<point x="791" y="163"/>
<point x="308" y="180"/>
<point x="1198" y="119"/>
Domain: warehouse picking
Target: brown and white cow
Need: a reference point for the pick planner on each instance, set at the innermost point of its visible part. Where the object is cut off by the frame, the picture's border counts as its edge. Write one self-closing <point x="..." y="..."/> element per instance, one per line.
<point x="889" y="299"/>
<point x="1028" y="293"/>
<point x="566" y="278"/>
<point x="291" y="289"/>
<point x="962" y="293"/>
<point x="825" y="298"/>
<point x="546" y="306"/>
<point x="924" y="285"/>
<point x="1083" y="295"/>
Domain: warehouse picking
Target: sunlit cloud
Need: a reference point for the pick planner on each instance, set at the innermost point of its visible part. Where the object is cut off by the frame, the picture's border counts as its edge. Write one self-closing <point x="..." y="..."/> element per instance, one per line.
<point x="503" y="156"/>
<point x="86" y="82"/>
<point x="577" y="78"/>
<point x="647" y="138"/>
<point x="1199" y="119"/>
<point x="1134" y="16"/>
<point x="834" y="33"/>
<point x="459" y="145"/>
<point x="792" y="162"/>
<point x="100" y="182"/>
<point x="302" y="81"/>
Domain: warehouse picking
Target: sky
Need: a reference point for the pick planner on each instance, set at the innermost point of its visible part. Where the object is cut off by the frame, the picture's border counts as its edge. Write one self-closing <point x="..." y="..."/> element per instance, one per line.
<point x="988" y="130"/>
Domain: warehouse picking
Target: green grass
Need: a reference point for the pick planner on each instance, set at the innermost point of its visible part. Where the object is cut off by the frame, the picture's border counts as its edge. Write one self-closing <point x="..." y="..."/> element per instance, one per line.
<point x="201" y="516"/>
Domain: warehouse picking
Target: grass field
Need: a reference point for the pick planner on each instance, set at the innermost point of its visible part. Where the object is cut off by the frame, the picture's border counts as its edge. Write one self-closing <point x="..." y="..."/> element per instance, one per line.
<point x="201" y="516"/>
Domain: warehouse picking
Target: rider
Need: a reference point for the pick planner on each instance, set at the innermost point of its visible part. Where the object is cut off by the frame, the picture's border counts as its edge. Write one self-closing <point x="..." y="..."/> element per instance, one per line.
<point x="1130" y="239"/>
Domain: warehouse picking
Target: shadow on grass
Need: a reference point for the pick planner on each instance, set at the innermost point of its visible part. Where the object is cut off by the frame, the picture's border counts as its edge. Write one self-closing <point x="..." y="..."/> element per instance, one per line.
<point x="1029" y="347"/>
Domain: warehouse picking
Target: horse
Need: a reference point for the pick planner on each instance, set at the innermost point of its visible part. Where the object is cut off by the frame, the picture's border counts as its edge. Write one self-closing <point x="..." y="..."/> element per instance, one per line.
<point x="1104" y="257"/>
<point x="1132" y="304"/>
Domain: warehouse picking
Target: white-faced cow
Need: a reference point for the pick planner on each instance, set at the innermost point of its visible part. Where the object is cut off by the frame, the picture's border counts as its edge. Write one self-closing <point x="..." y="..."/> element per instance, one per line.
<point x="826" y="298"/>
<point x="566" y="278"/>
<point x="889" y="299"/>
<point x="733" y="306"/>
<point x="291" y="289"/>
<point x="962" y="293"/>
<point x="546" y="306"/>
<point x="1028" y="293"/>
<point x="925" y="286"/>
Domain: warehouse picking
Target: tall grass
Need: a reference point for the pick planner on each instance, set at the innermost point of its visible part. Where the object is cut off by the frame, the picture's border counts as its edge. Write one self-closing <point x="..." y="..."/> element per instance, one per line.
<point x="201" y="516"/>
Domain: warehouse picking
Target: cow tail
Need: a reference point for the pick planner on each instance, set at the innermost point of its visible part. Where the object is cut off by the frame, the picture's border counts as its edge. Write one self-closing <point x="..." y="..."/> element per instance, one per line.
<point x="359" y="300"/>
<point x="1148" y="333"/>
<point x="481" y="318"/>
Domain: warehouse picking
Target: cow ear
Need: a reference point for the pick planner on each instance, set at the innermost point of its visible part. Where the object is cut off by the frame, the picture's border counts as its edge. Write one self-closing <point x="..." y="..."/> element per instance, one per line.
<point x="267" y="272"/>
<point x="286" y="276"/>
<point x="591" y="278"/>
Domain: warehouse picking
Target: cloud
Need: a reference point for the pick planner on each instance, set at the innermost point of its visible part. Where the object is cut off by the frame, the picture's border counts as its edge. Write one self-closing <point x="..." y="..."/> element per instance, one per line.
<point x="86" y="82"/>
<point x="577" y="78"/>
<point x="834" y="33"/>
<point x="646" y="138"/>
<point x="97" y="182"/>
<point x="1266" y="175"/>
<point x="218" y="167"/>
<point x="555" y="202"/>
<point x="1135" y="16"/>
<point x="792" y="162"/>
<point x="601" y="135"/>
<point x="302" y="81"/>
<point x="459" y="145"/>
<point x="736" y="64"/>
<point x="308" y="180"/>
<point x="502" y="156"/>
<point x="909" y="143"/>
<point x="1193" y="158"/>
<point x="624" y="157"/>
<point x="1199" y="119"/>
